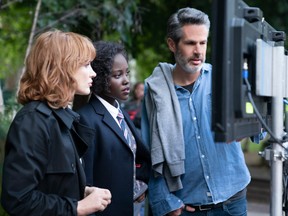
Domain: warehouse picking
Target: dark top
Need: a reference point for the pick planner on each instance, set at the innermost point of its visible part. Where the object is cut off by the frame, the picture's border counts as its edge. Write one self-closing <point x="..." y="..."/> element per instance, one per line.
<point x="42" y="173"/>
<point x="109" y="161"/>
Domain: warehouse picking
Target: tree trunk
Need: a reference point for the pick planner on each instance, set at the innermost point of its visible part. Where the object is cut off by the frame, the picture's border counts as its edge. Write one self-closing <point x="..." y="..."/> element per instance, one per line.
<point x="32" y="33"/>
<point x="2" y="107"/>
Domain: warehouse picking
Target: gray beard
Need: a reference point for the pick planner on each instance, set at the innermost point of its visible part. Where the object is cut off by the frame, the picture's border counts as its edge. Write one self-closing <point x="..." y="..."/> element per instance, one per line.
<point x="185" y="65"/>
<point x="191" y="70"/>
<point x="187" y="68"/>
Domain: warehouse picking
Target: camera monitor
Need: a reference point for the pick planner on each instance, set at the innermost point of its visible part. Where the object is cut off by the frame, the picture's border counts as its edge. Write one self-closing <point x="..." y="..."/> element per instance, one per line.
<point x="235" y="29"/>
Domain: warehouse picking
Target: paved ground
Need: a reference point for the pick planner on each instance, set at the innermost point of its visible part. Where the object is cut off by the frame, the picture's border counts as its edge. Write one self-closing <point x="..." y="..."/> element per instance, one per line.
<point x="258" y="194"/>
<point x="258" y="209"/>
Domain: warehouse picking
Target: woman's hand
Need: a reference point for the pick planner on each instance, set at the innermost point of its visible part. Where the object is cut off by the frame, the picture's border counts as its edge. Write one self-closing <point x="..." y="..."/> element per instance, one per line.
<point x="95" y="199"/>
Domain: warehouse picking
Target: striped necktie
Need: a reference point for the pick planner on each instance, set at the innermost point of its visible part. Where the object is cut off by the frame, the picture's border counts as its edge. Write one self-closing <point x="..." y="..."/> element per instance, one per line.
<point x="139" y="186"/>
<point x="123" y="125"/>
<point x="127" y="133"/>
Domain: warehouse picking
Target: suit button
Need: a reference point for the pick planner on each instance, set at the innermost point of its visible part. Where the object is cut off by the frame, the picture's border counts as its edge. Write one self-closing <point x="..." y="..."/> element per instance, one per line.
<point x="73" y="167"/>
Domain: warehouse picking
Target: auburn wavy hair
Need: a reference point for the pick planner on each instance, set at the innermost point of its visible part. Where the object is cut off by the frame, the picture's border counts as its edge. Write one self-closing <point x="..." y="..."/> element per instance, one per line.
<point x="50" y="65"/>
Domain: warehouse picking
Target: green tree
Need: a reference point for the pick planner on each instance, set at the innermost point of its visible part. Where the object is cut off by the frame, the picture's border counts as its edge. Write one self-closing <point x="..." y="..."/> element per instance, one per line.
<point x="105" y="19"/>
<point x="15" y="22"/>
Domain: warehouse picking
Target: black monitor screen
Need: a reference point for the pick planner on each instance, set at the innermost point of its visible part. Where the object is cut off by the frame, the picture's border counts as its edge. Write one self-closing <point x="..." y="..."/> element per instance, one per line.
<point x="235" y="29"/>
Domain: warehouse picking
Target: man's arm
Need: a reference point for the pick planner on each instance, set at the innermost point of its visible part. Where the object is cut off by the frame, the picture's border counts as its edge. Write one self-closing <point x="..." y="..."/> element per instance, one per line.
<point x="162" y="201"/>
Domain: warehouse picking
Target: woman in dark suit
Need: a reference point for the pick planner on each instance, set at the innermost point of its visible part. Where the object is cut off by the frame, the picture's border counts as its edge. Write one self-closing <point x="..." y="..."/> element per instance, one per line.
<point x="42" y="172"/>
<point x="110" y="161"/>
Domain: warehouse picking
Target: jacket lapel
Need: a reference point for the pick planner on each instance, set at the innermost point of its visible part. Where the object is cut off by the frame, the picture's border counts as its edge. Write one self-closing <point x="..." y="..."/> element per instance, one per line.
<point x="107" y="118"/>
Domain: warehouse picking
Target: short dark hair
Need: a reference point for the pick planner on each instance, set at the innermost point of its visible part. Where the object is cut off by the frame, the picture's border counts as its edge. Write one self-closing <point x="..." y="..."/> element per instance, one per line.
<point x="183" y="17"/>
<point x="103" y="64"/>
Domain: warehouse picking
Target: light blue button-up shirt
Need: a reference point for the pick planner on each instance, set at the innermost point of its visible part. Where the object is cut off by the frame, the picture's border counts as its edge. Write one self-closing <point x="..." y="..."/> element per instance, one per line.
<point x="213" y="171"/>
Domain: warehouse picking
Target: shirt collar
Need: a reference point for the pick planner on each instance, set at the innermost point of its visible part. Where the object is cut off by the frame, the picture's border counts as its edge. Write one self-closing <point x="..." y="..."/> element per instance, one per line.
<point x="111" y="109"/>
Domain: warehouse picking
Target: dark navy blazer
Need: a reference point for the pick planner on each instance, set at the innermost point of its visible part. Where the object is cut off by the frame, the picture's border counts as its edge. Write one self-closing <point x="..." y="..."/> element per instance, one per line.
<point x="109" y="161"/>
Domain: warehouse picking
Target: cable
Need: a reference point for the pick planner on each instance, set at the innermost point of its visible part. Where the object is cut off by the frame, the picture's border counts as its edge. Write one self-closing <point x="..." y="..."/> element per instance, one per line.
<point x="245" y="76"/>
<point x="278" y="141"/>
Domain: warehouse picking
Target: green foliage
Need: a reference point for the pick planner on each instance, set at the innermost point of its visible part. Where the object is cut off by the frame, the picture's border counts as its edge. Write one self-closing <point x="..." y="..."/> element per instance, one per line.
<point x="105" y="19"/>
<point x="11" y="107"/>
<point x="5" y="118"/>
<point x="148" y="60"/>
<point x="5" y="122"/>
<point x="14" y="32"/>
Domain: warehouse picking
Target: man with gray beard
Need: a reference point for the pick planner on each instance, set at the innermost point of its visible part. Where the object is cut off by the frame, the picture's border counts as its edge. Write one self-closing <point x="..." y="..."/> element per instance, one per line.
<point x="192" y="175"/>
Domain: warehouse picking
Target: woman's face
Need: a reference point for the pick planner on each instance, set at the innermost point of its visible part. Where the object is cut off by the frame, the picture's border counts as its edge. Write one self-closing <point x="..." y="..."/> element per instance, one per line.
<point x="119" y="85"/>
<point x="83" y="77"/>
